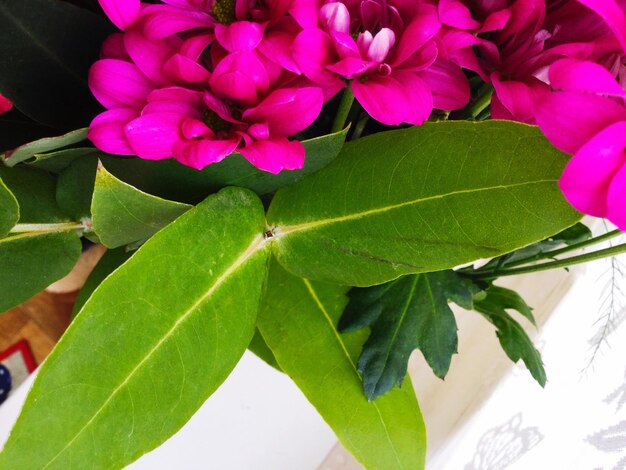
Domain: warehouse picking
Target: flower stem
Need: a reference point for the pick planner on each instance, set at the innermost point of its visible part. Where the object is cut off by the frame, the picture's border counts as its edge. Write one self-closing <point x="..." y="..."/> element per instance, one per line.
<point x="344" y="109"/>
<point x="482" y="102"/>
<point x="562" y="263"/>
<point x="566" y="249"/>
<point x="360" y="126"/>
<point x="47" y="228"/>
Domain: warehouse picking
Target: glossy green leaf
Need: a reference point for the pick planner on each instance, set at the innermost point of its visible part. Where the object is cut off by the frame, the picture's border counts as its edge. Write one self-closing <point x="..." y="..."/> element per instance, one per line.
<point x="171" y="180"/>
<point x="46" y="49"/>
<point x="421" y="199"/>
<point x="35" y="191"/>
<point x="153" y="342"/>
<point x="409" y="313"/>
<point x="514" y="340"/>
<point x="30" y="262"/>
<point x="75" y="187"/>
<point x="47" y="144"/>
<point x="298" y="321"/>
<point x="260" y="349"/>
<point x="9" y="210"/>
<point x="122" y="214"/>
<point x="57" y="161"/>
<point x="110" y="261"/>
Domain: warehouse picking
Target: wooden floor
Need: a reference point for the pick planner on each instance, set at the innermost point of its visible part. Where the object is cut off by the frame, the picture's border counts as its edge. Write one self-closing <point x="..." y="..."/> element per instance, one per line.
<point x="41" y="321"/>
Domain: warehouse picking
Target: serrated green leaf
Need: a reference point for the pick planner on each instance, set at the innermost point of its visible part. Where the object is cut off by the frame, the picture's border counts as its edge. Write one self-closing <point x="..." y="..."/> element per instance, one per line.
<point x="153" y="342"/>
<point x="47" y="144"/>
<point x="9" y="210"/>
<point x="411" y="312"/>
<point x="421" y="199"/>
<point x="171" y="180"/>
<point x="498" y="299"/>
<point x="122" y="214"/>
<point x="75" y="187"/>
<point x="110" y="261"/>
<point x="513" y="339"/>
<point x="298" y="321"/>
<point x="30" y="262"/>
<point x="35" y="191"/>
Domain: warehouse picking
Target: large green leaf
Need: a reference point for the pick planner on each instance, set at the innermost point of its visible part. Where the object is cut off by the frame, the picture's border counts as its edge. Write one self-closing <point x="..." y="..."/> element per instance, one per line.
<point x="298" y="322"/>
<point x="408" y="313"/>
<point x="46" y="49"/>
<point x="9" y="210"/>
<point x="122" y="214"/>
<point x="30" y="262"/>
<point x="151" y="345"/>
<point x="421" y="199"/>
<point x="75" y="187"/>
<point x="171" y="180"/>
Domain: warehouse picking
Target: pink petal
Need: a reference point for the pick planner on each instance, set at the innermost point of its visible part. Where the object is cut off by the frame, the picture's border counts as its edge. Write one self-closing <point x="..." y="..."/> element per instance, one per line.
<point x="616" y="206"/>
<point x="200" y="153"/>
<point x="185" y="69"/>
<point x="351" y="67"/>
<point x="119" y="84"/>
<point x="152" y="136"/>
<point x="448" y="84"/>
<point x="517" y="97"/>
<point x="569" y="119"/>
<point x="106" y="131"/>
<point x="335" y="17"/>
<point x="239" y="36"/>
<point x="392" y="100"/>
<point x="587" y="176"/>
<point x="381" y="44"/>
<point x="288" y="110"/>
<point x="455" y="13"/>
<point x="275" y="155"/>
<point x="149" y="55"/>
<point x="113" y="48"/>
<point x="613" y="14"/>
<point x="5" y="105"/>
<point x="122" y="13"/>
<point x="416" y="34"/>
<point x="277" y="47"/>
<point x="313" y="50"/>
<point x="160" y="21"/>
<point x="576" y="75"/>
<point x="240" y="76"/>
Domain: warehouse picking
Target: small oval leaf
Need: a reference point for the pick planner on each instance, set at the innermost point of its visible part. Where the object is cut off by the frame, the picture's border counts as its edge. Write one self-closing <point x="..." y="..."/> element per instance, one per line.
<point x="9" y="210"/>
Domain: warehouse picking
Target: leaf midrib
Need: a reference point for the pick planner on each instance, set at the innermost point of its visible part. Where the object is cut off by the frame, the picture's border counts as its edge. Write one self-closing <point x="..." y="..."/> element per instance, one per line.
<point x="320" y="305"/>
<point x="257" y="243"/>
<point x="289" y="229"/>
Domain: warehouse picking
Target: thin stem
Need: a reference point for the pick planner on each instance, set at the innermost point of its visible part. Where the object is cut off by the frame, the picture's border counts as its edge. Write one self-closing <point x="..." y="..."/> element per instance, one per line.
<point x="482" y="102"/>
<point x="360" y="126"/>
<point x="562" y="263"/>
<point x="566" y="249"/>
<point x="45" y="228"/>
<point x="342" y="112"/>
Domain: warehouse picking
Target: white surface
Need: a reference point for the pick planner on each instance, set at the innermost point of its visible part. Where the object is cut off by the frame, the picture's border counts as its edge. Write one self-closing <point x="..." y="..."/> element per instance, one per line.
<point x="257" y="420"/>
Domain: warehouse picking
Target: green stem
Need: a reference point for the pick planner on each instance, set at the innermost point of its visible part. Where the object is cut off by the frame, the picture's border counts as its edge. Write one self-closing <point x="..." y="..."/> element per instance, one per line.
<point x="342" y="112"/>
<point x="562" y="263"/>
<point x="360" y="126"/>
<point x="482" y="102"/>
<point x="45" y="228"/>
<point x="566" y="249"/>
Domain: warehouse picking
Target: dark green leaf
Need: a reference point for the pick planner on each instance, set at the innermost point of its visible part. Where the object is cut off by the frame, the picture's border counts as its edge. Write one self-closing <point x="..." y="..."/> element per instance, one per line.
<point x="9" y="210"/>
<point x="75" y="187"/>
<point x="171" y="180"/>
<point x="498" y="299"/>
<point x="56" y="162"/>
<point x="110" y="261"/>
<point x="17" y="129"/>
<point x="152" y="343"/>
<point x="46" y="49"/>
<point x="35" y="191"/>
<point x="514" y="340"/>
<point x="421" y="199"/>
<point x="409" y="313"/>
<point x="121" y="214"/>
<point x="30" y="262"/>
<point x="298" y="321"/>
<point x="47" y="144"/>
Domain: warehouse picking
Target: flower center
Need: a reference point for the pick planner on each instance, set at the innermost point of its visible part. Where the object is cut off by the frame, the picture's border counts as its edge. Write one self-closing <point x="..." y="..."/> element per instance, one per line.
<point x="215" y="122"/>
<point x="224" y="11"/>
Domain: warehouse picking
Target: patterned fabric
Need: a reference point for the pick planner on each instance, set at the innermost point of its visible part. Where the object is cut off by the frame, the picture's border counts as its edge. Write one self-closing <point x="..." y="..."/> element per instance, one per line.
<point x="5" y="383"/>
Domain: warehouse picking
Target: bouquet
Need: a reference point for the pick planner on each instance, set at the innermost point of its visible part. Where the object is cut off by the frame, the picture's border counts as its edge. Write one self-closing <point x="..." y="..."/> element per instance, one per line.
<point x="312" y="180"/>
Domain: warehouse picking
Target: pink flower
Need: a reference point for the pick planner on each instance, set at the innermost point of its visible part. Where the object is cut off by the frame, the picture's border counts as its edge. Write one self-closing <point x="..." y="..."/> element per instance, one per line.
<point x="177" y="83"/>
<point x="5" y="105"/>
<point x="586" y="116"/>
<point x="386" y="50"/>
